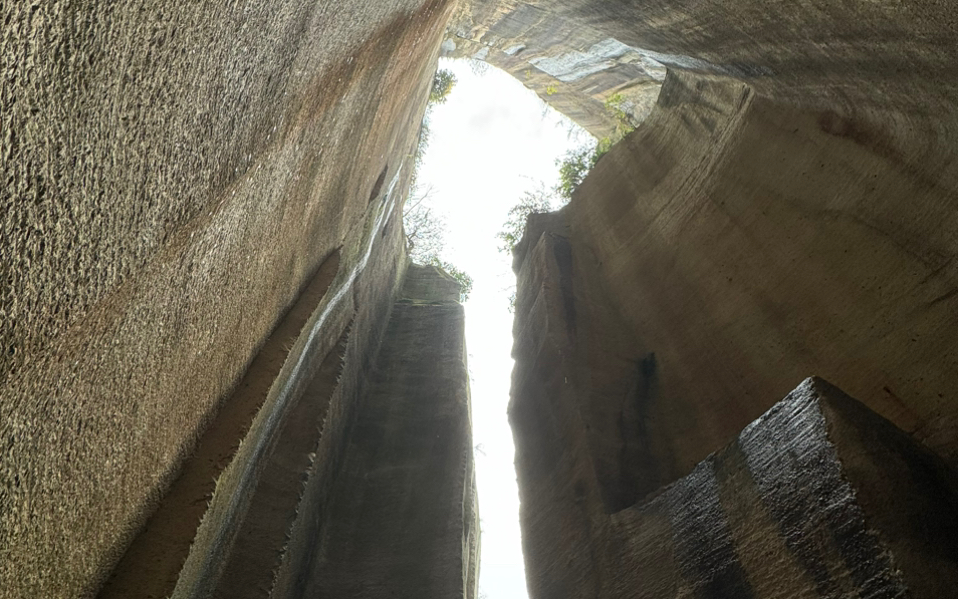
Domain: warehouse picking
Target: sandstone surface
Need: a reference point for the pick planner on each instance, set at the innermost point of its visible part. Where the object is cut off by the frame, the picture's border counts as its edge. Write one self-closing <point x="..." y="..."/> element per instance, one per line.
<point x="819" y="497"/>
<point x="787" y="208"/>
<point x="400" y="517"/>
<point x="174" y="175"/>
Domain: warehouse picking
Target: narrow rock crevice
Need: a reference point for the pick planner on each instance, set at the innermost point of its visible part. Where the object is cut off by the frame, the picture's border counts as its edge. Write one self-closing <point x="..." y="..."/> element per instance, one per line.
<point x="151" y="565"/>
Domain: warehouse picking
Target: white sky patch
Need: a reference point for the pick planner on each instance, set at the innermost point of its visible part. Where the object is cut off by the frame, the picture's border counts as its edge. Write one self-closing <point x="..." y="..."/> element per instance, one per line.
<point x="490" y="141"/>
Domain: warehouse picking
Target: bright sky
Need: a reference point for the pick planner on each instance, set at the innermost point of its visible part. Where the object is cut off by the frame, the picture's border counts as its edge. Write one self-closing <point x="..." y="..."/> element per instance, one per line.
<point x="491" y="140"/>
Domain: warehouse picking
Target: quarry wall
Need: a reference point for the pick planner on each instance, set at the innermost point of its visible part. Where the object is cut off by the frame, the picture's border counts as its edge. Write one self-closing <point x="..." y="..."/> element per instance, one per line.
<point x="401" y="516"/>
<point x="175" y="175"/>
<point x="786" y="209"/>
<point x="855" y="60"/>
<point x="598" y="82"/>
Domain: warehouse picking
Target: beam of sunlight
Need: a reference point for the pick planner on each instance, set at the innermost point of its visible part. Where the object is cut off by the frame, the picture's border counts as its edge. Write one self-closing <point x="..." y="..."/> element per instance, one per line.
<point x="491" y="140"/>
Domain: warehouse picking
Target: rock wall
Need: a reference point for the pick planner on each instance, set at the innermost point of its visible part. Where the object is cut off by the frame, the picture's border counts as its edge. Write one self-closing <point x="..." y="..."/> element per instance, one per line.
<point x="399" y="516"/>
<point x="744" y="241"/>
<point x="598" y="82"/>
<point x="787" y="208"/>
<point x="819" y="497"/>
<point x="852" y="59"/>
<point x="175" y="175"/>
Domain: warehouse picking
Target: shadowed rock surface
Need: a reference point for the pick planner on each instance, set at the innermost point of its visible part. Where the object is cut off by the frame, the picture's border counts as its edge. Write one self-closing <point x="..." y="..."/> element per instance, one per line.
<point x="175" y="173"/>
<point x="819" y="497"/>
<point x="788" y="207"/>
<point x="401" y="518"/>
<point x="152" y="564"/>
<point x="728" y="246"/>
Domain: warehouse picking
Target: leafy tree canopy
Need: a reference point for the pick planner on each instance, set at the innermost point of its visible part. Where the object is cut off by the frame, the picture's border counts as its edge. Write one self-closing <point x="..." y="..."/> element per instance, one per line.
<point x="573" y="168"/>
<point x="577" y="163"/>
<point x="465" y="281"/>
<point x="442" y="83"/>
<point x="532" y="202"/>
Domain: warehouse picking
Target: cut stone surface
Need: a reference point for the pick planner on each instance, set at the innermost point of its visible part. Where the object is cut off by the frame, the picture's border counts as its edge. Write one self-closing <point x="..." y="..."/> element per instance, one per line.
<point x="597" y="81"/>
<point x="402" y="516"/>
<point x="174" y="173"/>
<point x="819" y="497"/>
<point x="729" y="246"/>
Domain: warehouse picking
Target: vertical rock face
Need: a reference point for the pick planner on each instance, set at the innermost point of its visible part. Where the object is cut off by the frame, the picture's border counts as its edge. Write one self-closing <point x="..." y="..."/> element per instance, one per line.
<point x="817" y="498"/>
<point x="788" y="208"/>
<point x="174" y="175"/>
<point x="740" y="240"/>
<point x="758" y="520"/>
<point x="400" y="519"/>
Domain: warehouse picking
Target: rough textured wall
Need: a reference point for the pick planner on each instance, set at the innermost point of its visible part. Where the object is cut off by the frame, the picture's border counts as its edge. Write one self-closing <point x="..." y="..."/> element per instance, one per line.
<point x="598" y="82"/>
<point x="788" y="208"/>
<point x="742" y="241"/>
<point x="850" y="58"/>
<point x="173" y="175"/>
<point x="399" y="516"/>
<point x="819" y="497"/>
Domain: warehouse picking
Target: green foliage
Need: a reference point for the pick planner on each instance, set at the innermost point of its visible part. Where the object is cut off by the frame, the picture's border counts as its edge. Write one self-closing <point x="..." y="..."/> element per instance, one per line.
<point x="575" y="166"/>
<point x="615" y="106"/>
<point x="577" y="163"/>
<point x="615" y="101"/>
<point x="426" y="239"/>
<point x="442" y="83"/>
<point x="465" y="281"/>
<point x="531" y="202"/>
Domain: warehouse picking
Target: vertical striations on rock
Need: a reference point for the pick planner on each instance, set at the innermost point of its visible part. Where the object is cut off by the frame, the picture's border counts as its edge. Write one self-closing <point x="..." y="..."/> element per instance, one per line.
<point x="788" y="207"/>
<point x="401" y="517"/>
<point x="819" y="497"/>
<point x="729" y="246"/>
<point x="174" y="175"/>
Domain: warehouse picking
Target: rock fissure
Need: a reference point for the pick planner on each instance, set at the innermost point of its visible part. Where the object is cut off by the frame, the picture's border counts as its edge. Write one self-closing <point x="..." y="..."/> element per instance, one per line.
<point x="176" y="176"/>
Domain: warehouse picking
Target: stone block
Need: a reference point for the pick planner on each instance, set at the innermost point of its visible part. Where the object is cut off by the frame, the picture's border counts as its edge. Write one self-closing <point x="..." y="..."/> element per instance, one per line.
<point x="819" y="497"/>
